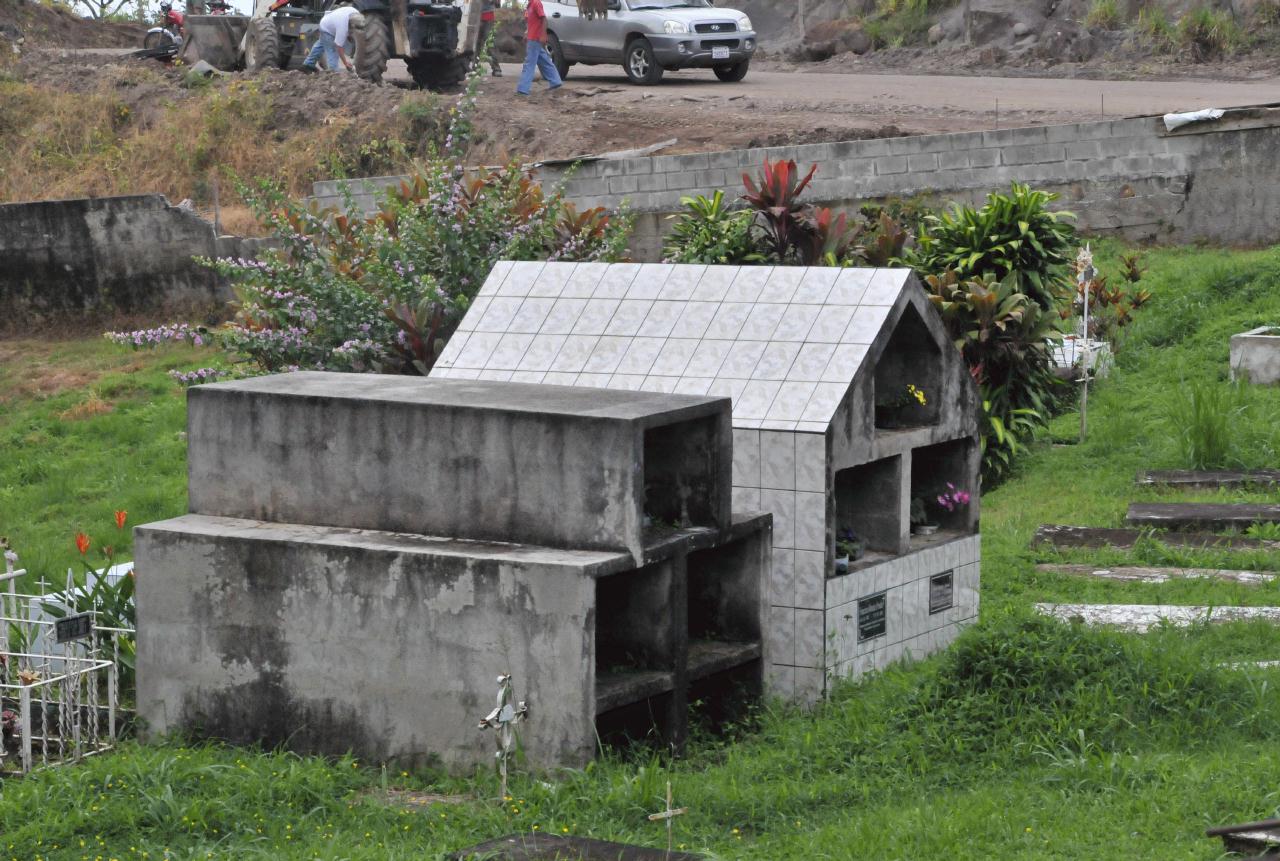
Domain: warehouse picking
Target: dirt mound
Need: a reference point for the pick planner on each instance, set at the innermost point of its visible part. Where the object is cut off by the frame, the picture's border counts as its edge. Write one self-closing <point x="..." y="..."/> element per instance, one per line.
<point x="32" y="24"/>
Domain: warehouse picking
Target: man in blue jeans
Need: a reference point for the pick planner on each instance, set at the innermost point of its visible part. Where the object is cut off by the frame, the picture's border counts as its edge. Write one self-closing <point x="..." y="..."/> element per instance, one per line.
<point x="332" y="38"/>
<point x="535" y="51"/>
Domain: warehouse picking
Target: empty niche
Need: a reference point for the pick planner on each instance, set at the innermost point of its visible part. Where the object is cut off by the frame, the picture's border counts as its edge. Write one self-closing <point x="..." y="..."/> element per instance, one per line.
<point x="910" y="359"/>
<point x="682" y="473"/>
<point x="868" y="501"/>
<point x="637" y="614"/>
<point x="932" y="468"/>
<point x="724" y="606"/>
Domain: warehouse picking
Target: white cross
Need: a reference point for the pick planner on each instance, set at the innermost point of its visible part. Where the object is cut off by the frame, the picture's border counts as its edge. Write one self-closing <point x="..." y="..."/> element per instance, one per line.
<point x="503" y="720"/>
<point x="669" y="815"/>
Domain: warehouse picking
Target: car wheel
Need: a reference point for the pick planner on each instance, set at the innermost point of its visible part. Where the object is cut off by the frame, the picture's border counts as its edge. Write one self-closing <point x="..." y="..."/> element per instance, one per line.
<point x="640" y="64"/>
<point x="733" y="74"/>
<point x="557" y="55"/>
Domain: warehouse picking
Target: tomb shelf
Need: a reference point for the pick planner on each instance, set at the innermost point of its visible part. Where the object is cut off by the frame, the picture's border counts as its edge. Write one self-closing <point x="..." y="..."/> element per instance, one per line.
<point x="873" y="558"/>
<point x="708" y="657"/>
<point x="661" y="542"/>
<point x="617" y="689"/>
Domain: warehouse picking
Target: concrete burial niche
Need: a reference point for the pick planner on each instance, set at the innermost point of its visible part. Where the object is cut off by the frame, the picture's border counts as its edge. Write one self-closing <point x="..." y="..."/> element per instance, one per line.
<point x="827" y="435"/>
<point x="1255" y="356"/>
<point x="365" y="555"/>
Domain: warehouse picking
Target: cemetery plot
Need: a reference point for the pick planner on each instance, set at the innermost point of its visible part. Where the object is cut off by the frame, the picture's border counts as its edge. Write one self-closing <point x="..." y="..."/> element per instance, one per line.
<point x="1065" y="537"/>
<point x="1142" y="617"/>
<point x="553" y="847"/>
<point x="1201" y="515"/>
<point x="1200" y="478"/>
<point x="1139" y="574"/>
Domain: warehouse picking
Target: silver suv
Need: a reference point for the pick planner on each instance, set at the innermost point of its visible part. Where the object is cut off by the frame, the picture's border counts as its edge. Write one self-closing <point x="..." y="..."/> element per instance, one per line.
<point x="648" y="37"/>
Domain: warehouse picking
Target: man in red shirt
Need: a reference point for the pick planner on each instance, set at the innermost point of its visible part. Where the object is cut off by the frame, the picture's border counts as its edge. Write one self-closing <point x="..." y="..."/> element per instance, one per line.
<point x="535" y="51"/>
<point x="488" y="20"/>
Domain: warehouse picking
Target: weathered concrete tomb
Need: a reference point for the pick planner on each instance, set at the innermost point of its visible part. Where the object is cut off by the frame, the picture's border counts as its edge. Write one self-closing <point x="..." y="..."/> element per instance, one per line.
<point x="366" y="554"/>
<point x="1255" y="356"/>
<point x="827" y="435"/>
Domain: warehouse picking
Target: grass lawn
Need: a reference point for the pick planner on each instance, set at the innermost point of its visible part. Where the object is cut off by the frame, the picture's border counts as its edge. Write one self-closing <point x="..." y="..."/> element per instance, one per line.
<point x="1029" y="739"/>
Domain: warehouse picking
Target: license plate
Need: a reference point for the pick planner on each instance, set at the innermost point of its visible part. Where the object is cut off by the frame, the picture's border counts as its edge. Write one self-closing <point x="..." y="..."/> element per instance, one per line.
<point x="721" y="53"/>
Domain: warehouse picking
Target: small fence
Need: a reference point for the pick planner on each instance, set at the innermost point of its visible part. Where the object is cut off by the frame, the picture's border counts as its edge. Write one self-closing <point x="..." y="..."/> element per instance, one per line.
<point x="59" y="681"/>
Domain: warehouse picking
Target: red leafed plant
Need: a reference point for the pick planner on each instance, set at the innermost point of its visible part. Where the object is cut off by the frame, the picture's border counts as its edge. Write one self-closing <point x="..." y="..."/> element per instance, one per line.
<point x="776" y="199"/>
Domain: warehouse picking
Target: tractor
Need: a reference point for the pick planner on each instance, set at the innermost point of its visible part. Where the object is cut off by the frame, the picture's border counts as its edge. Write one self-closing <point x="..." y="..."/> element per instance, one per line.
<point x="436" y="40"/>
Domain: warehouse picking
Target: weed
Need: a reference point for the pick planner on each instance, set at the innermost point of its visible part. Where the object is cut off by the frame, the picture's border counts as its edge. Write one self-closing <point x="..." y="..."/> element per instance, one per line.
<point x="1154" y="28"/>
<point x="1103" y="15"/>
<point x="1206" y="34"/>
<point x="1202" y="422"/>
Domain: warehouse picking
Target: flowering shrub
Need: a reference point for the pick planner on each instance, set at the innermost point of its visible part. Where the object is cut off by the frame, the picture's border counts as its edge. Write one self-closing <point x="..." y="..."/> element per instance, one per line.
<point x="345" y="291"/>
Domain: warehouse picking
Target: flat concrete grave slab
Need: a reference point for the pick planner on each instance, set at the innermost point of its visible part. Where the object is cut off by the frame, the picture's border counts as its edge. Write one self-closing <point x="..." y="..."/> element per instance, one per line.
<point x="1207" y="478"/>
<point x="1135" y="574"/>
<point x="551" y="847"/>
<point x="1091" y="537"/>
<point x="1143" y="617"/>
<point x="1251" y="665"/>
<point x="1201" y="515"/>
<point x="546" y="465"/>
<point x="1255" y="356"/>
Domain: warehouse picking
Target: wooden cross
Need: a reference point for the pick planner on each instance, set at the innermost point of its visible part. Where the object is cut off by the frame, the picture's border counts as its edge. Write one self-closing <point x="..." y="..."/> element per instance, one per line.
<point x="669" y="816"/>
<point x="502" y="720"/>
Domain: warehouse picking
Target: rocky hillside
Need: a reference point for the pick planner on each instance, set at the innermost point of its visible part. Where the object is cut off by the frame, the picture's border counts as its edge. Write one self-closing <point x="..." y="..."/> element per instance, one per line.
<point x="1040" y="33"/>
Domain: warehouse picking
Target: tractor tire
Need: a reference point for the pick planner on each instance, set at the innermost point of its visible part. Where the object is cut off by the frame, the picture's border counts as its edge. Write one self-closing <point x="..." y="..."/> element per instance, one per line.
<point x="640" y="63"/>
<point x="262" y="48"/>
<point x="436" y="74"/>
<point x="373" y="48"/>
<point x="733" y="74"/>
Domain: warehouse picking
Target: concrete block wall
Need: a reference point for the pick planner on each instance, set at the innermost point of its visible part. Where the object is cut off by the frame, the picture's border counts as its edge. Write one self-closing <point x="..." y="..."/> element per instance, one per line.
<point x="1214" y="182"/>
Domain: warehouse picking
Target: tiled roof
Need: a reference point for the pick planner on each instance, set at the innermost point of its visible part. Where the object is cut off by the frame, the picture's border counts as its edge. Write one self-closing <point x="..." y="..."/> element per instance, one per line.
<point x="783" y="342"/>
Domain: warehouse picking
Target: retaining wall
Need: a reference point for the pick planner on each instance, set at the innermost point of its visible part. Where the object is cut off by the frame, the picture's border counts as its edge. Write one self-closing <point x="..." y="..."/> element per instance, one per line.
<point x="1213" y="182"/>
<point x="108" y="254"/>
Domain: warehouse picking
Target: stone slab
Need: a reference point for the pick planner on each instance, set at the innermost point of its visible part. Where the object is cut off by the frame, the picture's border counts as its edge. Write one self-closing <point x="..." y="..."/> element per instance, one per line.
<point x="1143" y="617"/>
<point x="1136" y="574"/>
<point x="1201" y="515"/>
<point x="1255" y="356"/>
<point x="1065" y="537"/>
<point x="544" y="465"/>
<point x="550" y="847"/>
<point x="1210" y="478"/>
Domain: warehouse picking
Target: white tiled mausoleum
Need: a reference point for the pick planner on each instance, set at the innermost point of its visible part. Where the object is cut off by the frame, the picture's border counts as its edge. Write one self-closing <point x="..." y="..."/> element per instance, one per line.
<point x="805" y="354"/>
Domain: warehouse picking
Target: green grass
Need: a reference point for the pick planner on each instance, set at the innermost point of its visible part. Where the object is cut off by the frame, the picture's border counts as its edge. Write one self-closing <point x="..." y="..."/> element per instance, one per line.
<point x="1029" y="739"/>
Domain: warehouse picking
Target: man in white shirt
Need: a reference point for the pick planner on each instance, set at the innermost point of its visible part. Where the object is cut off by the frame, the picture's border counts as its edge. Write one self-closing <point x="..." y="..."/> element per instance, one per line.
<point x="332" y="38"/>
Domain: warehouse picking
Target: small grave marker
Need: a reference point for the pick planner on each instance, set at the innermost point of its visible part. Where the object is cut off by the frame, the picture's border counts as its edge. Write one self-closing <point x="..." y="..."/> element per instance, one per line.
<point x="71" y="628"/>
<point x="669" y="815"/>
<point x="872" y="621"/>
<point x="941" y="592"/>
<point x="502" y="720"/>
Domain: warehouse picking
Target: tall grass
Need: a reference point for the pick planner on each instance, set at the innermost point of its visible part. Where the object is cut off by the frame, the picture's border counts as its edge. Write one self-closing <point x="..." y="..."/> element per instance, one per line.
<point x="1104" y="15"/>
<point x="1203" y="420"/>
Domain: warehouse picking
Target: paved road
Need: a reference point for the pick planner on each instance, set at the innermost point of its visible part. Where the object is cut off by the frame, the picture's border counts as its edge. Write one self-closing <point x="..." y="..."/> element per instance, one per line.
<point x="941" y="93"/>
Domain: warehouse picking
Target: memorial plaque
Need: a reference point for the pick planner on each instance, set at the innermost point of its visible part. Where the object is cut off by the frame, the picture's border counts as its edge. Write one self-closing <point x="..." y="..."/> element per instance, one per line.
<point x="871" y="617"/>
<point x="73" y="628"/>
<point x="941" y="592"/>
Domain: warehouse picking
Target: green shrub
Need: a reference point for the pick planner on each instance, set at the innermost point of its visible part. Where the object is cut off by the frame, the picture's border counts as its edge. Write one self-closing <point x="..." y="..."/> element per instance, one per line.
<point x="1103" y="15"/>
<point x="709" y="231"/>
<point x="1205" y="34"/>
<point x="1202" y="420"/>
<point x="1012" y="234"/>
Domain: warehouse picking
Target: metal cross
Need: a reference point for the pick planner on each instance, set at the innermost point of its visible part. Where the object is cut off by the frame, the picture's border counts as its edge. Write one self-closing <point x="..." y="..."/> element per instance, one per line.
<point x="669" y="815"/>
<point x="502" y="720"/>
<point x="1085" y="275"/>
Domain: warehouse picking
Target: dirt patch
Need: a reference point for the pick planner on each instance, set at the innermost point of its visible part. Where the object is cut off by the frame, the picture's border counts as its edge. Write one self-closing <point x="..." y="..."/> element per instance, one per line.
<point x="32" y="24"/>
<point x="30" y="370"/>
<point x="418" y="800"/>
<point x="87" y="409"/>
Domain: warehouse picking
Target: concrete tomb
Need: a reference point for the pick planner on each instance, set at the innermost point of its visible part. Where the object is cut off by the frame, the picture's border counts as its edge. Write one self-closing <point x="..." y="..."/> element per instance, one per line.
<point x="1255" y="356"/>
<point x="366" y="554"/>
<point x="827" y="435"/>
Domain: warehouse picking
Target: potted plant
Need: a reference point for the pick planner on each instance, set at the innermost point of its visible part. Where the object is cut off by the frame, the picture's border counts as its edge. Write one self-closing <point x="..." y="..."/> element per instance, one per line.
<point x="920" y="523"/>
<point x="902" y="408"/>
<point x="849" y="548"/>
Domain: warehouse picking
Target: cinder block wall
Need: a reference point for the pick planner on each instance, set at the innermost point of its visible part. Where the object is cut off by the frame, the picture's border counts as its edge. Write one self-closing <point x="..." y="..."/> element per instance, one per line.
<point x="1211" y="182"/>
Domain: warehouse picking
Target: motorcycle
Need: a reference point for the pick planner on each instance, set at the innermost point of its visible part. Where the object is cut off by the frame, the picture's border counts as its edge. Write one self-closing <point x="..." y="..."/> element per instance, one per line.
<point x="169" y="34"/>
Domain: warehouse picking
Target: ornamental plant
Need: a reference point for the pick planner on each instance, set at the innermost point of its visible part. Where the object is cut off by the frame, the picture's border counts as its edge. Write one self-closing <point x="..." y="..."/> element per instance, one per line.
<point x="340" y="290"/>
<point x="112" y="603"/>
